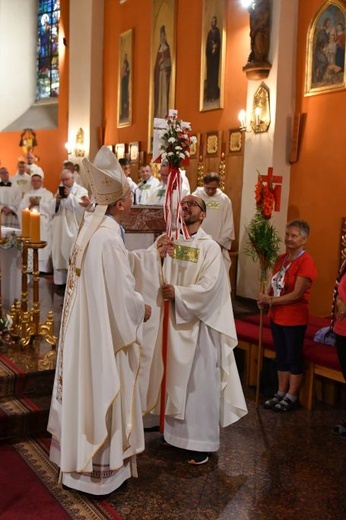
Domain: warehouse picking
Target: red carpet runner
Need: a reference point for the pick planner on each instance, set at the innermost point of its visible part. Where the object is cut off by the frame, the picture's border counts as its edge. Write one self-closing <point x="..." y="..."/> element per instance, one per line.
<point x="30" y="490"/>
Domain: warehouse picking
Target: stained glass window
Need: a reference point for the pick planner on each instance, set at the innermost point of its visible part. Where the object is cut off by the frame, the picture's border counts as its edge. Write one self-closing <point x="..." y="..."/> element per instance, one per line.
<point x="48" y="49"/>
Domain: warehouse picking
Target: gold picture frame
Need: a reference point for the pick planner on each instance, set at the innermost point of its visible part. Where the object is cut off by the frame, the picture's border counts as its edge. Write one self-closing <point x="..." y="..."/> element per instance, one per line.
<point x="125" y="74"/>
<point x="325" y="64"/>
<point x="212" y="144"/>
<point x="162" y="64"/>
<point x="235" y="141"/>
<point x="194" y="147"/>
<point x="213" y="51"/>
<point x="120" y="150"/>
<point x="134" y="152"/>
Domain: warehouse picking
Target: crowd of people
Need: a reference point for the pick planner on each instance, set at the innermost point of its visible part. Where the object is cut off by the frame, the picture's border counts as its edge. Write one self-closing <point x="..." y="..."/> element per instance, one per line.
<point x="147" y="336"/>
<point x="109" y="368"/>
<point x="60" y="212"/>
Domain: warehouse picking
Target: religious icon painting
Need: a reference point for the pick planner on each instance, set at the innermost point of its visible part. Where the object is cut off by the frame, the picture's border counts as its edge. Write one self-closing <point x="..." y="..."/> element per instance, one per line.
<point x="120" y="150"/>
<point x="134" y="151"/>
<point x="125" y="74"/>
<point x="162" y="65"/>
<point x="213" y="50"/>
<point x="212" y="144"/>
<point x="235" y="141"/>
<point x="325" y="61"/>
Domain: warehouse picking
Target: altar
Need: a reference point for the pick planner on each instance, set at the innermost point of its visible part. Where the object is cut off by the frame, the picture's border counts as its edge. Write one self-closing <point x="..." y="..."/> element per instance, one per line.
<point x="142" y="226"/>
<point x="10" y="266"/>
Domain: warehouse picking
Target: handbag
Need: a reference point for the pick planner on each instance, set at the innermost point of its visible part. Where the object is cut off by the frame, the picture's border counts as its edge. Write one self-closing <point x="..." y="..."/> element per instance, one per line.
<point x="325" y="335"/>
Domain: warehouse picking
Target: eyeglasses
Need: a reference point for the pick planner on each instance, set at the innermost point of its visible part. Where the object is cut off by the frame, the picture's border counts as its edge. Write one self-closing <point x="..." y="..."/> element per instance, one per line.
<point x="190" y="203"/>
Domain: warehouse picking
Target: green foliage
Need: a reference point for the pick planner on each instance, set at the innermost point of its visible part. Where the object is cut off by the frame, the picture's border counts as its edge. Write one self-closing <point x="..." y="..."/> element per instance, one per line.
<point x="263" y="243"/>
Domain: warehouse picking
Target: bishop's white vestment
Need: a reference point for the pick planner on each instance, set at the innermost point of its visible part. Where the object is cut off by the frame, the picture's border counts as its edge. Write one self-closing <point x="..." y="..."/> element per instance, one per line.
<point x="95" y="417"/>
<point x="203" y="386"/>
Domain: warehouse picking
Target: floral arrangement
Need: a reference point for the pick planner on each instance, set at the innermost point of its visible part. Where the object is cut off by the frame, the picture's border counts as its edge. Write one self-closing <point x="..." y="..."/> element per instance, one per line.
<point x="5" y="325"/>
<point x="265" y="199"/>
<point x="176" y="140"/>
<point x="264" y="241"/>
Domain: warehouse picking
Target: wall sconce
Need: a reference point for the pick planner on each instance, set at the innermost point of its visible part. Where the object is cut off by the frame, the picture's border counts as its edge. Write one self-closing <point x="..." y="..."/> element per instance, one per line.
<point x="260" y="114"/>
<point x="78" y="148"/>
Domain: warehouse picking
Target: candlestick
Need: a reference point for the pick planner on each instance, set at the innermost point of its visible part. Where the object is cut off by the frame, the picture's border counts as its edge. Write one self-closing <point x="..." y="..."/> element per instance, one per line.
<point x="35" y="226"/>
<point x="26" y="223"/>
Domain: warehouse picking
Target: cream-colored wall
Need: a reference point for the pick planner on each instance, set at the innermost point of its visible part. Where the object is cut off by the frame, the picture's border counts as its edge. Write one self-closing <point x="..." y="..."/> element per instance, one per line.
<point x="270" y="149"/>
<point x="18" y="22"/>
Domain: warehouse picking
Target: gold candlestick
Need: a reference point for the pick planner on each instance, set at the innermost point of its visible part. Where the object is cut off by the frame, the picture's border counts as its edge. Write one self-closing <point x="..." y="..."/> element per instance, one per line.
<point x="3" y="241"/>
<point x="26" y="324"/>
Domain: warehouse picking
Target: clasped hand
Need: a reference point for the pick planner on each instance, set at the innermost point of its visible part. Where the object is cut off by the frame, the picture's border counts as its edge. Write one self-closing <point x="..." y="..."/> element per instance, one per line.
<point x="165" y="245"/>
<point x="262" y="300"/>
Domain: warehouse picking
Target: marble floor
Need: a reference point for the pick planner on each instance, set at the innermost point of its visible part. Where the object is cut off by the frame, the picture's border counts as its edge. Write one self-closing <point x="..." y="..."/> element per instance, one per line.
<point x="269" y="466"/>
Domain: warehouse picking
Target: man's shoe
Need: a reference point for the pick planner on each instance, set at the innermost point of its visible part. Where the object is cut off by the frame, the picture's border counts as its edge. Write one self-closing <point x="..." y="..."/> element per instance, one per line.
<point x="197" y="458"/>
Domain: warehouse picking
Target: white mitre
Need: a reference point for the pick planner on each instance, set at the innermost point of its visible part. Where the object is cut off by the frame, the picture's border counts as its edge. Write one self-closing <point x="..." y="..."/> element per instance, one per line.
<point x="108" y="184"/>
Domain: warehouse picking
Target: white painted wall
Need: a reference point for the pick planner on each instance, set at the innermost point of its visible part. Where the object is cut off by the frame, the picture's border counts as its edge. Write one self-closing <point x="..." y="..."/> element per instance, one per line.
<point x="18" y="23"/>
<point x="271" y="148"/>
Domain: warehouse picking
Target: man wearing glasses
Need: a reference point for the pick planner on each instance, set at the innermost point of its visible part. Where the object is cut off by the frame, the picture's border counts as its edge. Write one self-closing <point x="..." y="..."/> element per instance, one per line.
<point x="203" y="390"/>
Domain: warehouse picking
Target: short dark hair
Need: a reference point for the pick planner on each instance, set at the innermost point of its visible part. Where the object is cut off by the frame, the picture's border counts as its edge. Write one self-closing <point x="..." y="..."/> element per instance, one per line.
<point x="211" y="177"/>
<point x="301" y="224"/>
<point x="123" y="161"/>
<point x="68" y="163"/>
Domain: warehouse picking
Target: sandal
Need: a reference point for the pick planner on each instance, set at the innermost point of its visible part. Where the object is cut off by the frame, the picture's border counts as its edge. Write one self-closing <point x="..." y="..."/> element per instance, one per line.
<point x="269" y="405"/>
<point x="339" y="429"/>
<point x="286" y="405"/>
<point x="197" y="458"/>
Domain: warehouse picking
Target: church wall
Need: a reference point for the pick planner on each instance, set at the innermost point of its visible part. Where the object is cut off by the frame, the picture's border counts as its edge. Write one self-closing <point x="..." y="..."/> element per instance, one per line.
<point x="51" y="143"/>
<point x="119" y="18"/>
<point x="318" y="182"/>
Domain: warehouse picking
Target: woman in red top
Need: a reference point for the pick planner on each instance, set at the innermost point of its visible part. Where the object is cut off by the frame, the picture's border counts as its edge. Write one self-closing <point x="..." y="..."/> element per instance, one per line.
<point x="340" y="333"/>
<point x="288" y="299"/>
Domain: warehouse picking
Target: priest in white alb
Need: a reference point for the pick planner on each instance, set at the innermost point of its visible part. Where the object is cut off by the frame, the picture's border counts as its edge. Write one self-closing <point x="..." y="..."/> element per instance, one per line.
<point x="203" y="389"/>
<point x="40" y="199"/>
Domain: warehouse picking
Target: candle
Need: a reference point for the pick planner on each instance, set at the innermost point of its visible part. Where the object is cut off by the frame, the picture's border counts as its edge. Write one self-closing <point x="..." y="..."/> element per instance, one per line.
<point x="26" y="223"/>
<point x="242" y="118"/>
<point x="257" y="116"/>
<point x="35" y="226"/>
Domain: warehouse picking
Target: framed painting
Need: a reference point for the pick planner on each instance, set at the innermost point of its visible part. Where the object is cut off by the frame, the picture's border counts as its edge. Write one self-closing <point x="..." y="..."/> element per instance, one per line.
<point x="194" y="147"/>
<point x="212" y="144"/>
<point x="125" y="79"/>
<point x="120" y="150"/>
<point x="325" y="61"/>
<point x="162" y="64"/>
<point x="134" y="151"/>
<point x="235" y="141"/>
<point x="213" y="50"/>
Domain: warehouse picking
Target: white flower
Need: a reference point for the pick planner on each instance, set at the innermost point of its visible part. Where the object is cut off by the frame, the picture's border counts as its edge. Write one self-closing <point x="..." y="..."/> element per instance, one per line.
<point x="182" y="156"/>
<point x="9" y="321"/>
<point x="193" y="139"/>
<point x="170" y="154"/>
<point x="171" y="140"/>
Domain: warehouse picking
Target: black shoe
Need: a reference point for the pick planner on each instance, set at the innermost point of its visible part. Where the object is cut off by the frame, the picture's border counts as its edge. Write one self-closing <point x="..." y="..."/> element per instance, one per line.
<point x="197" y="458"/>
